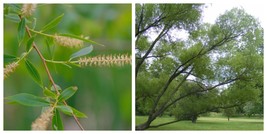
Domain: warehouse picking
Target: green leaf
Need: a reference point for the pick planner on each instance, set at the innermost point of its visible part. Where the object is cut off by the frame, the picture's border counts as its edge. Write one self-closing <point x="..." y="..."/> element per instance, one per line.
<point x="33" y="71"/>
<point x="57" y="123"/>
<point x="82" y="52"/>
<point x="29" y="43"/>
<point x="49" y="93"/>
<point x="9" y="58"/>
<point x="67" y="93"/>
<point x="80" y="38"/>
<point x="21" y="30"/>
<point x="48" y="42"/>
<point x="34" y="23"/>
<point x="57" y="86"/>
<point x="52" y="23"/>
<point x="15" y="8"/>
<point x="6" y="9"/>
<point x="12" y="17"/>
<point x="68" y="110"/>
<point x="28" y="100"/>
<point x="65" y="109"/>
<point x="78" y="113"/>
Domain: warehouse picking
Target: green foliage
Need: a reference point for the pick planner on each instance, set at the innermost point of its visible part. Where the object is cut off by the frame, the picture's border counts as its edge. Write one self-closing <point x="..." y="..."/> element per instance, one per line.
<point x="49" y="93"/>
<point x="33" y="72"/>
<point x="27" y="100"/>
<point x="57" y="123"/>
<point x="9" y="58"/>
<point x="198" y="103"/>
<point x="21" y="30"/>
<point x="67" y="93"/>
<point x="78" y="113"/>
<point x="65" y="109"/>
<point x="29" y="44"/>
<point x="53" y="23"/>
<point x="82" y="52"/>
<point x="57" y="88"/>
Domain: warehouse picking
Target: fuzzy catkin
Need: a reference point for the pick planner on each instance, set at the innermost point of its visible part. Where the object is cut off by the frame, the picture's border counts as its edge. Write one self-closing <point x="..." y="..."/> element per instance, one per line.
<point x="68" y="42"/>
<point x="106" y="60"/>
<point x="43" y="121"/>
<point x="27" y="10"/>
<point x="10" y="68"/>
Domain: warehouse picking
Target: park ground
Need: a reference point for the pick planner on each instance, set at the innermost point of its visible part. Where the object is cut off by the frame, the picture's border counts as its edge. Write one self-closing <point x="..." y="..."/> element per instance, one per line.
<point x="207" y="123"/>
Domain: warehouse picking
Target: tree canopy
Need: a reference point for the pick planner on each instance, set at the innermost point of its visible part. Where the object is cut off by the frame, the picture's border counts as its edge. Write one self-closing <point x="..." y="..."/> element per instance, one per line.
<point x="220" y="63"/>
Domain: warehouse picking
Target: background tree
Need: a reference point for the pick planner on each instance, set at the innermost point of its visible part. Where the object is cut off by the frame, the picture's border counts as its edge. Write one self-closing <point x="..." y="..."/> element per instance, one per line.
<point x="225" y="55"/>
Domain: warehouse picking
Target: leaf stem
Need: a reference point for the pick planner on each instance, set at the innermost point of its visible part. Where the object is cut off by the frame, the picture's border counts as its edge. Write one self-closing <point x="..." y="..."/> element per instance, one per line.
<point x="24" y="55"/>
<point x="49" y="74"/>
<point x="48" y="35"/>
<point x="60" y="62"/>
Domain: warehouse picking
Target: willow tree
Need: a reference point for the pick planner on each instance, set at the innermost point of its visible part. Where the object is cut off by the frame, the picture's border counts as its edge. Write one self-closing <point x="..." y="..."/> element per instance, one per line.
<point x="228" y="53"/>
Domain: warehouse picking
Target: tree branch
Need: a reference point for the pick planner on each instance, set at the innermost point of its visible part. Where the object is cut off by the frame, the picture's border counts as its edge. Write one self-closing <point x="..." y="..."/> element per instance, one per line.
<point x="202" y="112"/>
<point x="49" y="74"/>
<point x="208" y="89"/>
<point x="138" y="65"/>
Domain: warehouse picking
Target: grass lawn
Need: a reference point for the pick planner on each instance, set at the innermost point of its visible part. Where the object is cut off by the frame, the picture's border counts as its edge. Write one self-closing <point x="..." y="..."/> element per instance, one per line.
<point x="207" y="123"/>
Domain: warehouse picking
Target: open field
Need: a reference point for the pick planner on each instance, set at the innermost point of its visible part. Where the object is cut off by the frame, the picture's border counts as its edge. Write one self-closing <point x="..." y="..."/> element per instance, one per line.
<point x="207" y="123"/>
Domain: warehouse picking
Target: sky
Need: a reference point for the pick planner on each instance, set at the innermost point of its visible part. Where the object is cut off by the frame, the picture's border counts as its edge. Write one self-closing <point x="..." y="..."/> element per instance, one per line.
<point x="213" y="10"/>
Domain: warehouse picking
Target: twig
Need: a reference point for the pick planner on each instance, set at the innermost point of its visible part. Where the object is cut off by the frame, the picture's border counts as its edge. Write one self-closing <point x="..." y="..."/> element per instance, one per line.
<point x="49" y="74"/>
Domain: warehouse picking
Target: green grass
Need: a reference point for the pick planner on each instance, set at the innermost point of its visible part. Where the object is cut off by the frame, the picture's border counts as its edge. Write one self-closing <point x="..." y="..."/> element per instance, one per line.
<point x="207" y="123"/>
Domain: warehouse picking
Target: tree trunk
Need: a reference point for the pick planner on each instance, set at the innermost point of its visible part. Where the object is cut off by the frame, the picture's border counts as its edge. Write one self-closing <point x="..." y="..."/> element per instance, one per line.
<point x="142" y="126"/>
<point x="228" y="118"/>
<point x="194" y="119"/>
<point x="146" y="124"/>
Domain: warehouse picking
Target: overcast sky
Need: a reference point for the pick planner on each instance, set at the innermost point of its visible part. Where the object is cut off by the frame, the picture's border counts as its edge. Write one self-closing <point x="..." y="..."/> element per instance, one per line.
<point x="213" y="10"/>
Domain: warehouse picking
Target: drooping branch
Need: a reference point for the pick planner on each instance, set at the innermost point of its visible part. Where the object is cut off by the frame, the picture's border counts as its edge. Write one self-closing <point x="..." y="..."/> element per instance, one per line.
<point x="198" y="91"/>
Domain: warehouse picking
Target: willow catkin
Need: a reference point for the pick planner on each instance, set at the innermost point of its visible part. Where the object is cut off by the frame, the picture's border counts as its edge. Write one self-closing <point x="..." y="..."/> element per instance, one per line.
<point x="27" y="10"/>
<point x="68" y="42"/>
<point x="43" y="121"/>
<point x="106" y="60"/>
<point x="10" y="68"/>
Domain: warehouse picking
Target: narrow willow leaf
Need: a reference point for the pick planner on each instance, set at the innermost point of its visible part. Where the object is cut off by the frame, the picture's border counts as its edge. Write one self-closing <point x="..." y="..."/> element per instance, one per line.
<point x="33" y="71"/>
<point x="9" y="58"/>
<point x="48" y="42"/>
<point x="27" y="100"/>
<point x="78" y="113"/>
<point x="34" y="23"/>
<point x="15" y="8"/>
<point x="57" y="123"/>
<point x="82" y="52"/>
<point x="29" y="44"/>
<point x="12" y="17"/>
<point x="80" y="38"/>
<point x="67" y="93"/>
<point x="21" y="30"/>
<point x="49" y="93"/>
<point x="52" y="23"/>
<point x="68" y="110"/>
<point x="65" y="109"/>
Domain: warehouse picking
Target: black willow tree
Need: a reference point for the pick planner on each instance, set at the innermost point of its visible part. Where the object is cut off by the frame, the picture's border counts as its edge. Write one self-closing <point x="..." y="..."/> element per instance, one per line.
<point x="218" y="66"/>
